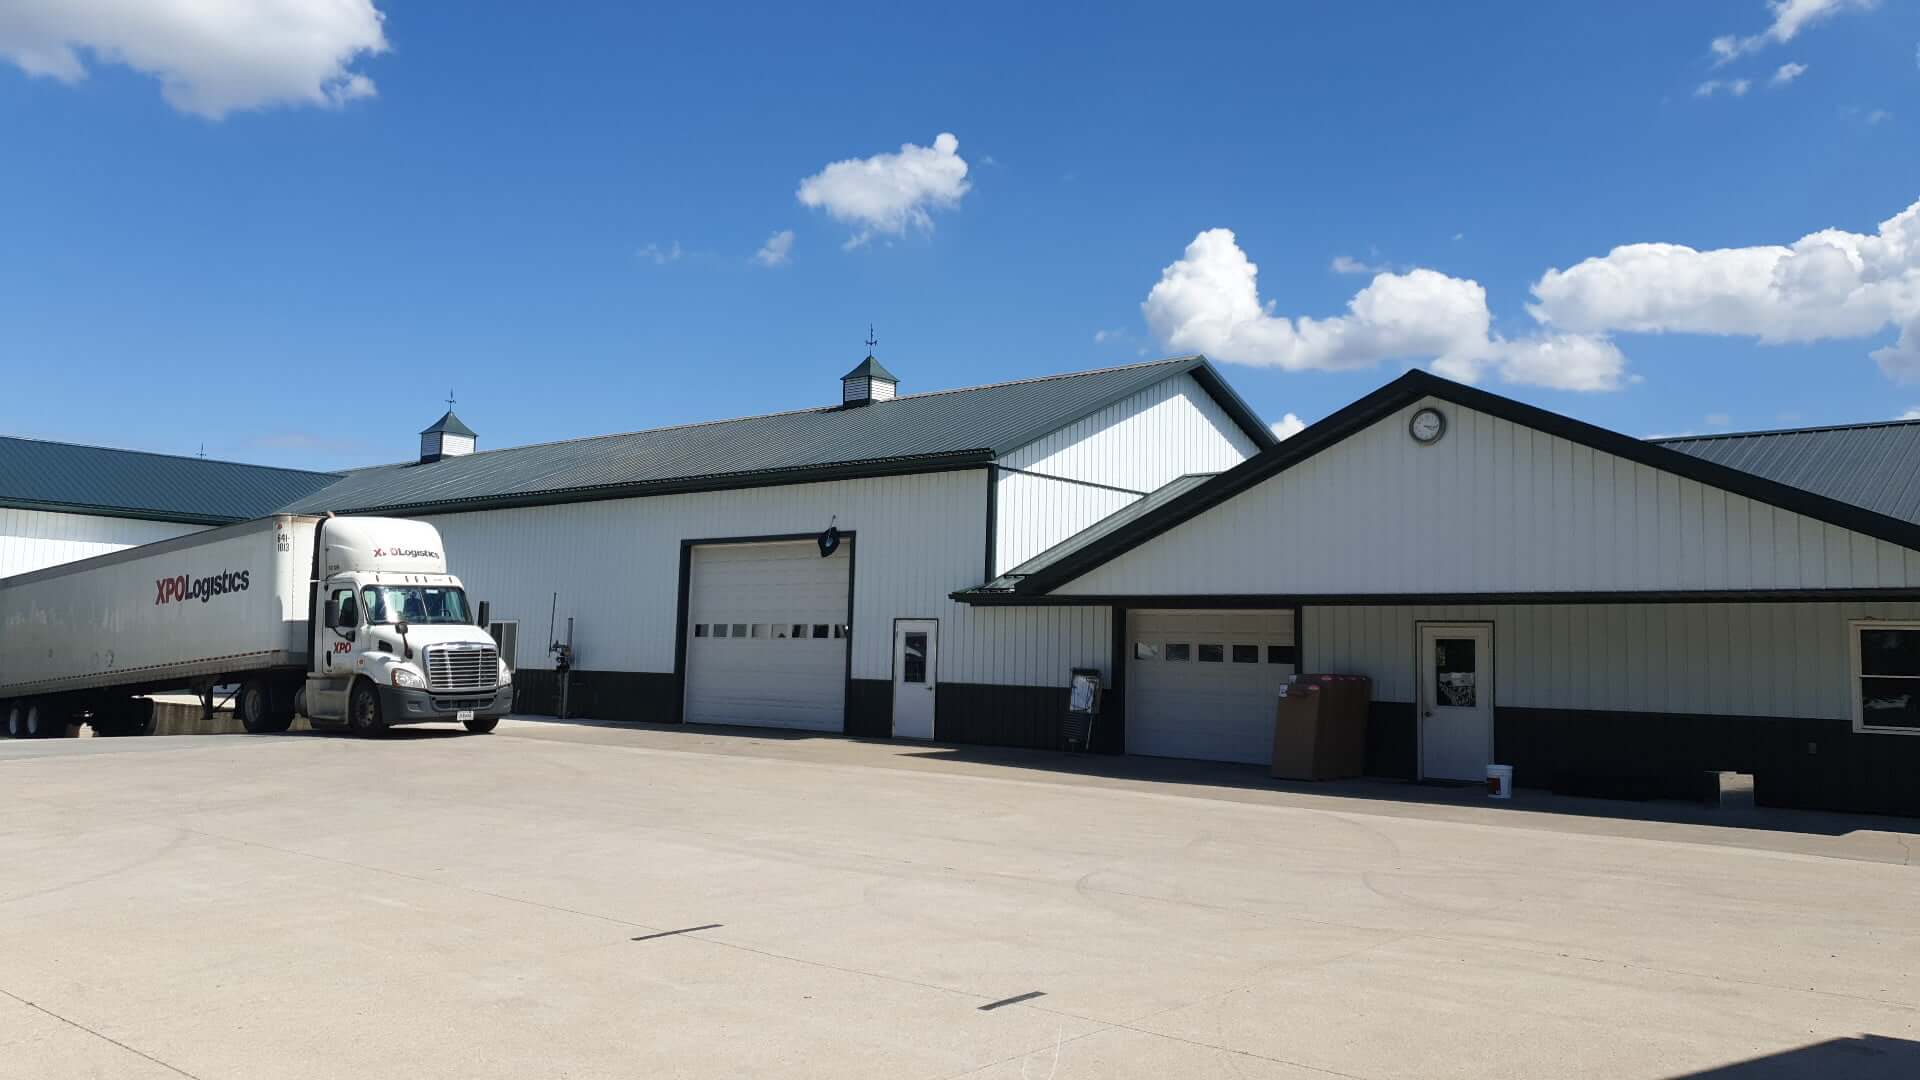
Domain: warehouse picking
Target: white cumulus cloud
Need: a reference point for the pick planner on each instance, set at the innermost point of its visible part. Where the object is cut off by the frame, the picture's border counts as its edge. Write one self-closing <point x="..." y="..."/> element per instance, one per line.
<point x="1347" y="264"/>
<point x="1736" y="87"/>
<point x="1209" y="301"/>
<point x="1786" y="73"/>
<point x="777" y="251"/>
<point x="1910" y="414"/>
<point x="212" y="57"/>
<point x="1288" y="426"/>
<point x="1830" y="284"/>
<point x="1789" y="18"/>
<point x="886" y="193"/>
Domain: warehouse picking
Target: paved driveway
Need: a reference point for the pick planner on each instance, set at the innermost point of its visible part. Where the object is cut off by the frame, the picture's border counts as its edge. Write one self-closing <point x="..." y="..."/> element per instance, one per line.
<point x="560" y="900"/>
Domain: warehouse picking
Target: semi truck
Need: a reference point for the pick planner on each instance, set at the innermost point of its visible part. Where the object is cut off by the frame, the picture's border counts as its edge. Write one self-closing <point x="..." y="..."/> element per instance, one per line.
<point x="353" y="622"/>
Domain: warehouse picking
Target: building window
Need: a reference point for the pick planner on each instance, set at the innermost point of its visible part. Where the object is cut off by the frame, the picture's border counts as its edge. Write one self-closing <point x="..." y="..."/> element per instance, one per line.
<point x="820" y="630"/>
<point x="1886" y="677"/>
<point x="1213" y="654"/>
<point x="700" y="629"/>
<point x="1246" y="654"/>
<point x="760" y="629"/>
<point x="1281" y="654"/>
<point x="1178" y="653"/>
<point x="1144" y="651"/>
<point x="842" y="630"/>
<point x="799" y="630"/>
<point x="780" y="630"/>
<point x="739" y="629"/>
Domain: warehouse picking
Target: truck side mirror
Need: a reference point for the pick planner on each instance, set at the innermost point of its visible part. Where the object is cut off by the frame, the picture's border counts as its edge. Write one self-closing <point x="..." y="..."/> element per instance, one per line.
<point x="486" y="614"/>
<point x="332" y="616"/>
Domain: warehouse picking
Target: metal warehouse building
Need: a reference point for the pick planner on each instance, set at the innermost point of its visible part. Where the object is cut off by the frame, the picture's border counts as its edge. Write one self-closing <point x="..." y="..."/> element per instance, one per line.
<point x="60" y="502"/>
<point x="687" y="558"/>
<point x="1606" y="614"/>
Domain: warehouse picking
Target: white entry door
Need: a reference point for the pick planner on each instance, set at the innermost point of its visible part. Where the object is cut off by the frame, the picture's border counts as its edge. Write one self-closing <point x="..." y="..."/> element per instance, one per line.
<point x="1456" y="700"/>
<point x="916" y="651"/>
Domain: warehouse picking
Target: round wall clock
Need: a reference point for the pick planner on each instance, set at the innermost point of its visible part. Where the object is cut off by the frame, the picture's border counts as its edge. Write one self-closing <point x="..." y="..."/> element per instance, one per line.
<point x="1427" y="426"/>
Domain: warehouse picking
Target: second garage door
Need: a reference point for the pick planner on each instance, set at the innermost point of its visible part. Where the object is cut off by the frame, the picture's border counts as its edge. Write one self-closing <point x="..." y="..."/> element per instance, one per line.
<point x="767" y="635"/>
<point x="1202" y="684"/>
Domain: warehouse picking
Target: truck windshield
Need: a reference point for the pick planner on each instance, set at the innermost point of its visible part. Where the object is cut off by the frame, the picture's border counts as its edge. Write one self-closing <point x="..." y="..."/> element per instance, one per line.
<point x="426" y="604"/>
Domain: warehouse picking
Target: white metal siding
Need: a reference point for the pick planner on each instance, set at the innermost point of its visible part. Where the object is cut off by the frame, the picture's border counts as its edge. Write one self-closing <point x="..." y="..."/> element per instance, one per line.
<point x="1730" y="659"/>
<point x="616" y="565"/>
<point x="35" y="539"/>
<point x="1141" y="443"/>
<point x="1492" y="507"/>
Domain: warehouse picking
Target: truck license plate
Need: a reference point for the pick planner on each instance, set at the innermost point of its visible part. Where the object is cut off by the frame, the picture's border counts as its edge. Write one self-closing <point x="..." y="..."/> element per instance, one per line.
<point x="464" y="715"/>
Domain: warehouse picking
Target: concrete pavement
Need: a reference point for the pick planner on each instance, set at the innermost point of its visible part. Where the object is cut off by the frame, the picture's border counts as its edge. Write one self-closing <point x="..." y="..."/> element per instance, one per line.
<point x="438" y="905"/>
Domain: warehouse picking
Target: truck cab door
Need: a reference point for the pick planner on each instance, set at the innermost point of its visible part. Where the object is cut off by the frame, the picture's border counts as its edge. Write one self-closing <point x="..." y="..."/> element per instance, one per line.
<point x="335" y="648"/>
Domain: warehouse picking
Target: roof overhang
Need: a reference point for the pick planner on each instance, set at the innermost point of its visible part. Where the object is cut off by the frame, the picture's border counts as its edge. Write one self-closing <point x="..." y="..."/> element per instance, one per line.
<point x="809" y="474"/>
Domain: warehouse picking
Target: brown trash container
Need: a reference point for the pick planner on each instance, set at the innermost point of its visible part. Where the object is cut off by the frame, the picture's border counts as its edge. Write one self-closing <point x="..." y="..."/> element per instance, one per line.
<point x="1320" y="727"/>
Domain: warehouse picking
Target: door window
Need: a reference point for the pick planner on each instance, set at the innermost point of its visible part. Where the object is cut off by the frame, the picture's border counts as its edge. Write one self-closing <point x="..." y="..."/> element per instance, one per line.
<point x="1453" y="673"/>
<point x="913" y="659"/>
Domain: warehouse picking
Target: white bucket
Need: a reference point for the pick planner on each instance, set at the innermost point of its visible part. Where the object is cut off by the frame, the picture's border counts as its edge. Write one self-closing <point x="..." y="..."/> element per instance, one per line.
<point x="1499" y="781"/>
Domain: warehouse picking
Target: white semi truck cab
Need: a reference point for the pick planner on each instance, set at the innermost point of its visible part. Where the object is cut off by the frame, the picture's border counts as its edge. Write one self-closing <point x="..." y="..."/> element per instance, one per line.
<point x="353" y="621"/>
<point x="395" y="638"/>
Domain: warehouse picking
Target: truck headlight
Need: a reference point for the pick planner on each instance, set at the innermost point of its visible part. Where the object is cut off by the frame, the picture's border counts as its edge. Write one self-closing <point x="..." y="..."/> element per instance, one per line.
<point x="506" y="675"/>
<point x="405" y="677"/>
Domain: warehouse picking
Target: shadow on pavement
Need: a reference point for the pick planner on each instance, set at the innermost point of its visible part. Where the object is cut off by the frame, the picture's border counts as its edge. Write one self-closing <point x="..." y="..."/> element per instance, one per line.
<point x="1867" y="1057"/>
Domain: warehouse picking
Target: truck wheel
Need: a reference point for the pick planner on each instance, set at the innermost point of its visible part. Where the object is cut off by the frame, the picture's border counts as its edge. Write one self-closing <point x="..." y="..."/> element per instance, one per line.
<point x="16" y="720"/>
<point x="482" y="727"/>
<point x="363" y="711"/>
<point x="44" y="722"/>
<point x="255" y="709"/>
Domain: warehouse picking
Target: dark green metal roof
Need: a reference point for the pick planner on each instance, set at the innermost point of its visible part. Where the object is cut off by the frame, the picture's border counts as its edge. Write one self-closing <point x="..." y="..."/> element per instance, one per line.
<point x="872" y="369"/>
<point x="1873" y="466"/>
<point x="76" y="479"/>
<point x="451" y="425"/>
<point x="947" y="429"/>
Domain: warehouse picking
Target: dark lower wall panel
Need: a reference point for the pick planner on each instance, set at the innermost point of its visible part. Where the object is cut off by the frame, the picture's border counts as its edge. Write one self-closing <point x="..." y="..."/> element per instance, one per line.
<point x="870" y="708"/>
<point x="1027" y="716"/>
<point x="598" y="695"/>
<point x="1805" y="763"/>
<point x="1392" y="740"/>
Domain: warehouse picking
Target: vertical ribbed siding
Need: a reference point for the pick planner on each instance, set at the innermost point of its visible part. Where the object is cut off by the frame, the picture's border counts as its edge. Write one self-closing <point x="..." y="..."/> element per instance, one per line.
<point x="1492" y="507"/>
<point x="1727" y="659"/>
<point x="1138" y="444"/>
<point x="35" y="539"/>
<point x="615" y="565"/>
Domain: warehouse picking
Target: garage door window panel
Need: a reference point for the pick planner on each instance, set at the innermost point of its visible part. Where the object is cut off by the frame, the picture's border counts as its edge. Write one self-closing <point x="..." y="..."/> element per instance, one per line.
<point x="1178" y="653"/>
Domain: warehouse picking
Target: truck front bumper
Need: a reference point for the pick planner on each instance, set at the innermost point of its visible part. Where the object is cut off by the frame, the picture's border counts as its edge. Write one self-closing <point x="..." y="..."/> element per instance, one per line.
<point x="403" y="705"/>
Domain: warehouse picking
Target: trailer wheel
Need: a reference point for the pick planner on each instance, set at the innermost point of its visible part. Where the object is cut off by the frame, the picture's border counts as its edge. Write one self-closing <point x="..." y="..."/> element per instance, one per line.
<point x="16" y="720"/>
<point x="482" y="727"/>
<point x="363" y="711"/>
<point x="256" y="711"/>
<point x="44" y="721"/>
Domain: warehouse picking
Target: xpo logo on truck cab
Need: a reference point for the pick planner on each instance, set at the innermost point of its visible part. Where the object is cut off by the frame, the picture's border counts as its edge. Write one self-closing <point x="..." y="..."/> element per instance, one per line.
<point x="170" y="589"/>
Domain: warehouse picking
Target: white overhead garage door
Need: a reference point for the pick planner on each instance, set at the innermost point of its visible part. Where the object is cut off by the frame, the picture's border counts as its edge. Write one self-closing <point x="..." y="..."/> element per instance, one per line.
<point x="767" y="635"/>
<point x="1202" y="684"/>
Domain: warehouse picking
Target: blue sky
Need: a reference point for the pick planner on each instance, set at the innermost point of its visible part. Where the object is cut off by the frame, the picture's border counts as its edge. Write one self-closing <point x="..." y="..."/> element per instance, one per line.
<point x="289" y="246"/>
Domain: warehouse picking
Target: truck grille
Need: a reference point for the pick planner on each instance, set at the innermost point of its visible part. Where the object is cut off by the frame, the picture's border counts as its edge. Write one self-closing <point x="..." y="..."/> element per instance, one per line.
<point x="455" y="669"/>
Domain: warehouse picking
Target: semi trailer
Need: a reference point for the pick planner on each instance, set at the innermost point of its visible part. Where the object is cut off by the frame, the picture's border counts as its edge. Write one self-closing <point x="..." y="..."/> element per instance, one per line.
<point x="353" y="622"/>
